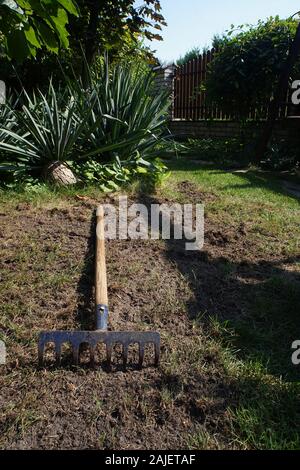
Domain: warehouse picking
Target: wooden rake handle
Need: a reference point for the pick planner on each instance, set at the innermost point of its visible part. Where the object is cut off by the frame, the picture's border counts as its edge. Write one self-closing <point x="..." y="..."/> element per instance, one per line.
<point x="101" y="295"/>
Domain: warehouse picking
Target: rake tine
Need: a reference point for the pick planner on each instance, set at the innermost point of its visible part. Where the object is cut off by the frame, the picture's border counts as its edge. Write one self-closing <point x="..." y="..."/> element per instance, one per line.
<point x="108" y="353"/>
<point x="141" y="354"/>
<point x="92" y="355"/>
<point x="58" y="353"/>
<point x="157" y="353"/>
<point x="41" y="354"/>
<point x="125" y="355"/>
<point x="101" y="335"/>
<point x="76" y="354"/>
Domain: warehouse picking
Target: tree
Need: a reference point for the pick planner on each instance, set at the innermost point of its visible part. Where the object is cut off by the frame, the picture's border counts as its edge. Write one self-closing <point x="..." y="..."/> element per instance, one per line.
<point x="114" y="26"/>
<point x="103" y="24"/>
<point x="27" y="26"/>
<point x="193" y="53"/>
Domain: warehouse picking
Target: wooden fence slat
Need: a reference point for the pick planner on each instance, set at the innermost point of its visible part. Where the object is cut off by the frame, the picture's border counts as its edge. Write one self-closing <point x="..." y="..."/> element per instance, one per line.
<point x="190" y="90"/>
<point x="198" y="81"/>
<point x="190" y="101"/>
<point x="194" y="85"/>
<point x="184" y="92"/>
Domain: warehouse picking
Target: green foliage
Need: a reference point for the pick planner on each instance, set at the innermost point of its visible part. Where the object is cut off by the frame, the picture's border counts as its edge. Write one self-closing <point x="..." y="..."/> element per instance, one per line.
<point x="245" y="73"/>
<point x="193" y="53"/>
<point x="107" y="132"/>
<point x="219" y="40"/>
<point x="134" y="117"/>
<point x="110" y="176"/>
<point x="219" y="150"/>
<point x="281" y="155"/>
<point x="118" y="27"/>
<point x="113" y="176"/>
<point x="126" y="17"/>
<point x="29" y="25"/>
<point x="47" y="130"/>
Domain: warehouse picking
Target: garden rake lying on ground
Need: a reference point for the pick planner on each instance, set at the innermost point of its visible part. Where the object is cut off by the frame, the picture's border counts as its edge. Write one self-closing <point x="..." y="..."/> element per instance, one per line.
<point x="101" y="335"/>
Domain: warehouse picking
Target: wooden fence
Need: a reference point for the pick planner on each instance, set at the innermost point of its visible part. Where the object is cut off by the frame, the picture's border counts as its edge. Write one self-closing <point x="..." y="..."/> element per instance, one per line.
<point x="190" y="100"/>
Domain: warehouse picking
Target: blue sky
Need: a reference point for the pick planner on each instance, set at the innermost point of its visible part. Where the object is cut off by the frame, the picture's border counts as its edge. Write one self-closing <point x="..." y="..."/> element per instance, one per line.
<point x="194" y="22"/>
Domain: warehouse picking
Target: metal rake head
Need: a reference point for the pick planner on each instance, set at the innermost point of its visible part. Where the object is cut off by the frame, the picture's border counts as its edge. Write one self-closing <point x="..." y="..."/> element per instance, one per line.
<point x="93" y="338"/>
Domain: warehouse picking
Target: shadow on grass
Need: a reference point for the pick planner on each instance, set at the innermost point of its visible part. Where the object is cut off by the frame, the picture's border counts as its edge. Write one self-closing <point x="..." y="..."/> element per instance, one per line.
<point x="256" y="304"/>
<point x="253" y="179"/>
<point x="261" y="181"/>
<point x="252" y="308"/>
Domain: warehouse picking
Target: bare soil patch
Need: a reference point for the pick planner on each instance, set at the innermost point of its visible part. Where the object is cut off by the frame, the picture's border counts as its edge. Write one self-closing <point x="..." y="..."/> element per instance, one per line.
<point x="47" y="277"/>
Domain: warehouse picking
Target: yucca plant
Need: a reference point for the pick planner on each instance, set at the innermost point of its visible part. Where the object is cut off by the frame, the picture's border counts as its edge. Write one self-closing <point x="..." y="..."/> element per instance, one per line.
<point x="117" y="118"/>
<point x="7" y="122"/>
<point x="7" y="119"/>
<point x="137" y="112"/>
<point x="47" y="131"/>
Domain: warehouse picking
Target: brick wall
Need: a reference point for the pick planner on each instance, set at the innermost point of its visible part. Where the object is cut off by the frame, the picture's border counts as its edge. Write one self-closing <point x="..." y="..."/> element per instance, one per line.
<point x="288" y="128"/>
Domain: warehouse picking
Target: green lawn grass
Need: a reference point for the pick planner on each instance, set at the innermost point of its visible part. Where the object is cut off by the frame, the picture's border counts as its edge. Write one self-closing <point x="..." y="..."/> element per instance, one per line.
<point x="256" y="347"/>
<point x="249" y="197"/>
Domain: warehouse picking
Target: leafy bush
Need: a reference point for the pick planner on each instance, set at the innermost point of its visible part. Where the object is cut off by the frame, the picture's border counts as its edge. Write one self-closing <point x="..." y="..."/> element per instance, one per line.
<point x="40" y="31"/>
<point x="112" y="176"/>
<point x="245" y="72"/>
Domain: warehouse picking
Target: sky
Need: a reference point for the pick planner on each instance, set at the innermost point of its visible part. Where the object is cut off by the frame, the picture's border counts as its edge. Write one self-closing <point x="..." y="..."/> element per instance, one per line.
<point x="194" y="22"/>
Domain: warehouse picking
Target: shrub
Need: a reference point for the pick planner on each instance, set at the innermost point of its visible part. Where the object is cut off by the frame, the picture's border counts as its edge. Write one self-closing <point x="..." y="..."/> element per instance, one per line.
<point x="245" y="72"/>
<point x="112" y="125"/>
<point x="47" y="131"/>
<point x="132" y="117"/>
<point x="112" y="176"/>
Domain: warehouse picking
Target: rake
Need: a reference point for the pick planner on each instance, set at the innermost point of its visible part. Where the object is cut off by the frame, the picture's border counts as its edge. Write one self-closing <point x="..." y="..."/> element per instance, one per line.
<point x="100" y="335"/>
